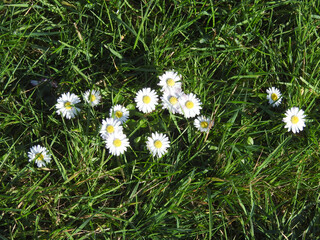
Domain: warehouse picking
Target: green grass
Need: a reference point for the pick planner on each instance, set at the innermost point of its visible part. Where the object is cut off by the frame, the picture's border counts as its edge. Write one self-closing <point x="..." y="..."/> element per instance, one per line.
<point x="248" y="179"/>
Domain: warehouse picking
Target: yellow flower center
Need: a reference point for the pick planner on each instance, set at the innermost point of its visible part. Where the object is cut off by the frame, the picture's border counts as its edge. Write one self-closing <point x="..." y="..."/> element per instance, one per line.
<point x="117" y="142"/>
<point x="118" y="114"/>
<point x="294" y="119"/>
<point x="158" y="144"/>
<point x="189" y="104"/>
<point x="170" y="82"/>
<point x="92" y="98"/>
<point x="110" y="129"/>
<point x="274" y="97"/>
<point x="146" y="99"/>
<point x="204" y="124"/>
<point x="173" y="100"/>
<point x="39" y="157"/>
<point x="67" y="105"/>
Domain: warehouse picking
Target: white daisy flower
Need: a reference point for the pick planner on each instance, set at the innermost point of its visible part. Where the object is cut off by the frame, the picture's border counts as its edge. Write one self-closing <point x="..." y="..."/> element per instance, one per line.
<point x="170" y="80"/>
<point x="40" y="155"/>
<point x="120" y="113"/>
<point x="295" y="119"/>
<point x="146" y="100"/>
<point x="190" y="105"/>
<point x="274" y="96"/>
<point x="92" y="97"/>
<point x="158" y="144"/>
<point x="203" y="124"/>
<point x="110" y="126"/>
<point x="66" y="105"/>
<point x="170" y="101"/>
<point x="117" y="143"/>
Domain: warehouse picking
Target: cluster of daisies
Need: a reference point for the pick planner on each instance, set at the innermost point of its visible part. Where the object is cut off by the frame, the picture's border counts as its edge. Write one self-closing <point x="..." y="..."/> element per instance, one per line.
<point x="147" y="99"/>
<point x="294" y="117"/>
<point x="173" y="99"/>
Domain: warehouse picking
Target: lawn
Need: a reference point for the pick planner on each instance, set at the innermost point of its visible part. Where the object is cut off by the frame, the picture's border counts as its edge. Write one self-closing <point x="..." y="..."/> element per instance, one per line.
<point x="248" y="176"/>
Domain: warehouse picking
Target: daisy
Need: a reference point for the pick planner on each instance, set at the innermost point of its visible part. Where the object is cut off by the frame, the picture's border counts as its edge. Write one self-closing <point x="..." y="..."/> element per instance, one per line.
<point x="40" y="155"/>
<point x="92" y="97"/>
<point x="170" y="101"/>
<point x="120" y="113"/>
<point x="170" y="80"/>
<point x="294" y="119"/>
<point x="117" y="143"/>
<point x="190" y="105"/>
<point x="146" y="100"/>
<point x="66" y="105"/>
<point x="158" y="144"/>
<point x="274" y="96"/>
<point x="110" y="126"/>
<point x="203" y="124"/>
